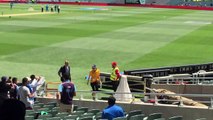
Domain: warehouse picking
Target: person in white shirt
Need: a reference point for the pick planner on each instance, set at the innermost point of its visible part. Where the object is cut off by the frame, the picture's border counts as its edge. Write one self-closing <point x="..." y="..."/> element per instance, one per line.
<point x="25" y="95"/>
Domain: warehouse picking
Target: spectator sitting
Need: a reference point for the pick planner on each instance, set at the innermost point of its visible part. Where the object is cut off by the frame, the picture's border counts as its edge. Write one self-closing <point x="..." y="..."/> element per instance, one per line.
<point x="4" y="88"/>
<point x="14" y="89"/>
<point x="12" y="109"/>
<point x="25" y="95"/>
<point x="112" y="111"/>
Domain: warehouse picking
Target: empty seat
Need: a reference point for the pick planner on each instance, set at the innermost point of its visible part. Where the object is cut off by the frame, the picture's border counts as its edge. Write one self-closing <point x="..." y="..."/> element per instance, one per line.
<point x="86" y="118"/>
<point x="176" y="118"/>
<point x="201" y="119"/>
<point x="132" y="113"/>
<point x="160" y="119"/>
<point x="36" y="107"/>
<point x="53" y="112"/>
<point x="87" y="115"/>
<point x="153" y="116"/>
<point x="85" y="109"/>
<point x="30" y="112"/>
<point x="44" y="117"/>
<point x="29" y="117"/>
<point x="62" y="115"/>
<point x="52" y="103"/>
<point x="120" y="118"/>
<point x="137" y="117"/>
<point x="54" y="118"/>
<point x="78" y="113"/>
<point x="94" y="111"/>
<point x="49" y="106"/>
<point x="56" y="108"/>
<point x="73" y="117"/>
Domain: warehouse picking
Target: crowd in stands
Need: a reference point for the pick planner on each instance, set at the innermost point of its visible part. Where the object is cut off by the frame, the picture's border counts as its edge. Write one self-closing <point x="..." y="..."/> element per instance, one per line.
<point x="25" y="91"/>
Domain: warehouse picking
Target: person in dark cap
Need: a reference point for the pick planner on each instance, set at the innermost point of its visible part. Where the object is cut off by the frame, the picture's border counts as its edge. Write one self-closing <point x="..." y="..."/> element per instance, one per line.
<point x="115" y="76"/>
<point x="94" y="79"/>
<point x="112" y="111"/>
<point x="4" y="88"/>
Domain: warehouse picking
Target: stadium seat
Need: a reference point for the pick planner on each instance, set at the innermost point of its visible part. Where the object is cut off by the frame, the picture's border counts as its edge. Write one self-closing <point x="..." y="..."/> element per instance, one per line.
<point x="85" y="109"/>
<point x="62" y="115"/>
<point x="73" y="117"/>
<point x="29" y="117"/>
<point x="94" y="111"/>
<point x="160" y="119"/>
<point x="153" y="116"/>
<point x="98" y="115"/>
<point x="44" y="117"/>
<point x="56" y="108"/>
<point x="137" y="117"/>
<point x="43" y="109"/>
<point x="120" y="118"/>
<point x="40" y="104"/>
<point x="52" y="103"/>
<point x="29" y="112"/>
<point x="86" y="118"/>
<point x="36" y="102"/>
<point x="49" y="106"/>
<point x="87" y="115"/>
<point x="54" y="118"/>
<point x="176" y="118"/>
<point x="36" y="107"/>
<point x="53" y="112"/>
<point x="201" y="119"/>
<point x="78" y="113"/>
<point x="132" y="113"/>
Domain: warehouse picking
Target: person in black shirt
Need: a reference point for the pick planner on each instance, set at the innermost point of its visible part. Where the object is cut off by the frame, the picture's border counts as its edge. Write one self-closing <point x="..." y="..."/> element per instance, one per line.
<point x="4" y="88"/>
<point x="65" y="70"/>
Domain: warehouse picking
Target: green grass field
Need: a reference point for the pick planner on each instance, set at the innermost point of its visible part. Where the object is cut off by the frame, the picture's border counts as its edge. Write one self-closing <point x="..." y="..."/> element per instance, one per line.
<point x="134" y="37"/>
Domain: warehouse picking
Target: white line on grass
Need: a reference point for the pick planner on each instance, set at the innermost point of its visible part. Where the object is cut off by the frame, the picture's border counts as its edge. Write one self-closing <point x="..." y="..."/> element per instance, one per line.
<point x="25" y="14"/>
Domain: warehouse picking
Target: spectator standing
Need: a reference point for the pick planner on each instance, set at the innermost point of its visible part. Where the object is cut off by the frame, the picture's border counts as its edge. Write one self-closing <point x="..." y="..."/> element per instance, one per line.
<point x="112" y="111"/>
<point x="65" y="70"/>
<point x="11" y="5"/>
<point x="25" y="95"/>
<point x="66" y="93"/>
<point x="4" y="89"/>
<point x="36" y="81"/>
<point x="59" y="9"/>
<point x="115" y="76"/>
<point x="47" y="8"/>
<point x="42" y="8"/>
<point x="94" y="79"/>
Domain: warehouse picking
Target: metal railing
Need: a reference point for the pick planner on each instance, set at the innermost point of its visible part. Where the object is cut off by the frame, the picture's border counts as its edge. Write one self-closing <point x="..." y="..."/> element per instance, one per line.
<point x="83" y="95"/>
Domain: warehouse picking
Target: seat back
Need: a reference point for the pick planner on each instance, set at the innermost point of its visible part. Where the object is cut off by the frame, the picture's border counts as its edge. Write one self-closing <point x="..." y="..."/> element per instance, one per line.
<point x="176" y="118"/>
<point x="132" y="113"/>
<point x="154" y="116"/>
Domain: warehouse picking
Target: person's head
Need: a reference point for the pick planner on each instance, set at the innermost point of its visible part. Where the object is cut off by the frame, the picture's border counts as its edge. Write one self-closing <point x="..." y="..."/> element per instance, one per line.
<point x="114" y="64"/>
<point x="14" y="80"/>
<point x="32" y="77"/>
<point x="25" y="81"/>
<point x="3" y="79"/>
<point x="111" y="101"/>
<point x="12" y="109"/>
<point x="66" y="63"/>
<point x="94" y="67"/>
